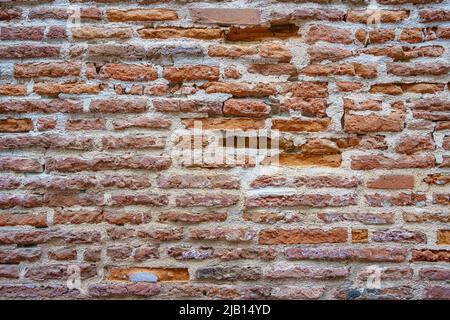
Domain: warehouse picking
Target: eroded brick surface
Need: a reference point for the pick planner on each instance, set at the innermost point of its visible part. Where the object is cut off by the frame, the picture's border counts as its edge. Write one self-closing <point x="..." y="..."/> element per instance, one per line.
<point x="325" y="149"/>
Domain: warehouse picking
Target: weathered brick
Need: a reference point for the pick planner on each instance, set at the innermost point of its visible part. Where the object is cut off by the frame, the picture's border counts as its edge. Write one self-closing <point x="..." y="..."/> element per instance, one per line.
<point x="118" y="106"/>
<point x="46" y="141"/>
<point x="399" y="235"/>
<point x="434" y="273"/>
<point x="223" y="234"/>
<point x="305" y="200"/>
<point x="10" y="272"/>
<point x="384" y="16"/>
<point x="116" y="15"/>
<point x="163" y="234"/>
<point x="257" y="33"/>
<point x="323" y="148"/>
<point x="128" y="72"/>
<point x="191" y="73"/>
<point x="123" y="290"/>
<point x="225" y="123"/>
<point x="366" y="218"/>
<point x="7" y="14"/>
<point x="386" y="293"/>
<point x="370" y="162"/>
<point x="54" y="89"/>
<point x="62" y="254"/>
<point x="74" y="164"/>
<point x="22" y="33"/>
<point x="188" y="106"/>
<point x="18" y="164"/>
<point x="225" y="16"/>
<point x="430" y="255"/>
<point x="392" y="182"/>
<point x="29" y="51"/>
<point x="89" y="13"/>
<point x="16" y="125"/>
<point x="329" y="34"/>
<point x="186" y="217"/>
<point x="18" y="219"/>
<point x="301" y="125"/>
<point x="302" y="236"/>
<point x="417" y="69"/>
<point x="369" y="254"/>
<point x="246" y="108"/>
<point x="16" y="256"/>
<point x="240" y="89"/>
<point x="175" y="33"/>
<point x="319" y="53"/>
<point x="13" y="90"/>
<point x="434" y="15"/>
<point x="207" y="200"/>
<point x="144" y="122"/>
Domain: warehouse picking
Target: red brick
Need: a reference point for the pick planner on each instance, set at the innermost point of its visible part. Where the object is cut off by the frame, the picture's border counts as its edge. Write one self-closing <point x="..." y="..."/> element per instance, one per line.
<point x="191" y="73"/>
<point x="207" y="200"/>
<point x="13" y="90"/>
<point x="29" y="51"/>
<point x="240" y="89"/>
<point x="305" y="200"/>
<point x="369" y="162"/>
<point x="399" y="235"/>
<point x="62" y="254"/>
<point x="437" y="293"/>
<point x="16" y="256"/>
<point x="16" y="125"/>
<point x="23" y="219"/>
<point x="246" y="108"/>
<point x="177" y="33"/>
<point x="434" y="15"/>
<point x="401" y="199"/>
<point x="417" y="69"/>
<point x="191" y="217"/>
<point x="22" y="33"/>
<point x="90" y="13"/>
<point x="7" y="14"/>
<point x="10" y="272"/>
<point x="18" y="164"/>
<point x="329" y="34"/>
<point x="163" y="234"/>
<point x="384" y="16"/>
<point x="366" y="218"/>
<point x="74" y="164"/>
<point x="258" y="33"/>
<point x="430" y="255"/>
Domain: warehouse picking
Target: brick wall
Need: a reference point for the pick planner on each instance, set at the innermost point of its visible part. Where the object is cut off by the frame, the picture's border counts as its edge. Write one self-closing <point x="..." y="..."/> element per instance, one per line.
<point x="108" y="184"/>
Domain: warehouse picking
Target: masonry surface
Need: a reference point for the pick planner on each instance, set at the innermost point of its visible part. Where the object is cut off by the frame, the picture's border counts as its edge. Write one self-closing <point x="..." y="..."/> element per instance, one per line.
<point x="108" y="189"/>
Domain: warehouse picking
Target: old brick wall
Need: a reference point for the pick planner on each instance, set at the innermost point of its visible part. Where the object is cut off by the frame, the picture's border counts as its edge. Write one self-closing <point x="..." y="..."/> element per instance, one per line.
<point x="107" y="183"/>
